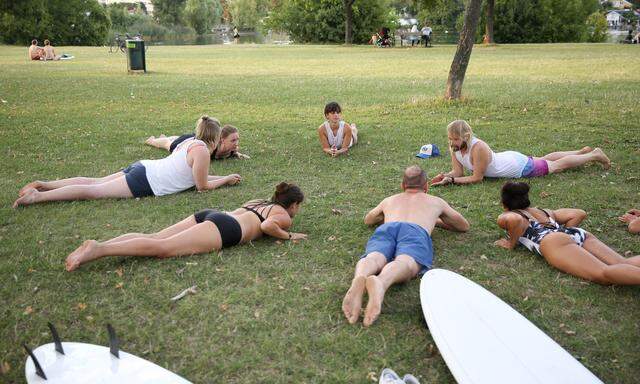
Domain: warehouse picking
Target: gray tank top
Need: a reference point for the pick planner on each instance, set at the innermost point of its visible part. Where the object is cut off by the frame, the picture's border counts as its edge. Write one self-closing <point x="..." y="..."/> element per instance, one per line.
<point x="335" y="140"/>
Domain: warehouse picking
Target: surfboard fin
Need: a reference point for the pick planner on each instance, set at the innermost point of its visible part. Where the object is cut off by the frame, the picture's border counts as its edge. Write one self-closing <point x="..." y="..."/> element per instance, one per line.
<point x="114" y="344"/>
<point x="56" y="338"/>
<point x="39" y="370"/>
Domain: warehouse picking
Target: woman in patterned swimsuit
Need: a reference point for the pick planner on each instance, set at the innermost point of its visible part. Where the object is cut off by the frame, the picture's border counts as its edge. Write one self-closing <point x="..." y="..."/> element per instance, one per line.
<point x="553" y="235"/>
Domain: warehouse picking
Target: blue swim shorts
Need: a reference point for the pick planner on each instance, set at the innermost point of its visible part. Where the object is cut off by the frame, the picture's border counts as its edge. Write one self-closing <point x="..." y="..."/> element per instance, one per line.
<point x="401" y="238"/>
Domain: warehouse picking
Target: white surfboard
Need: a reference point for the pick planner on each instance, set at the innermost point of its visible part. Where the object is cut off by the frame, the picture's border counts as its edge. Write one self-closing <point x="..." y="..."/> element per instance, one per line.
<point x="89" y="363"/>
<point x="483" y="340"/>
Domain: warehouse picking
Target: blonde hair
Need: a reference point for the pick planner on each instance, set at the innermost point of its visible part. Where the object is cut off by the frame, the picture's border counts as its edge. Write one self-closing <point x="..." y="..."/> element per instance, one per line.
<point x="462" y="129"/>
<point x="227" y="130"/>
<point x="208" y="130"/>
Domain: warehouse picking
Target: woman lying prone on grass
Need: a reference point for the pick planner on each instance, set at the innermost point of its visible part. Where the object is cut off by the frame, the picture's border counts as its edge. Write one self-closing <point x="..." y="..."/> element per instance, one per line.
<point x="227" y="148"/>
<point x="553" y="235"/>
<point x="205" y="231"/>
<point x="186" y="167"/>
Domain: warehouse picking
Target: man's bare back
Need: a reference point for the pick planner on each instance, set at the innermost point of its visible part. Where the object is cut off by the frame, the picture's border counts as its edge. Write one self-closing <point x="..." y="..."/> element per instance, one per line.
<point x="411" y="206"/>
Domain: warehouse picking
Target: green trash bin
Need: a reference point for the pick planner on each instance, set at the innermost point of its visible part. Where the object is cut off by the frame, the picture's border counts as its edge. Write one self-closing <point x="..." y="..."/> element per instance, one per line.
<point x="135" y="56"/>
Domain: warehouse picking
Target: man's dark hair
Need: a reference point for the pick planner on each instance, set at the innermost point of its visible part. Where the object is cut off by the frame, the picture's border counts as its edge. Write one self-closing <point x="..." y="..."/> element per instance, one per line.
<point x="34" y="42"/>
<point x="414" y="177"/>
<point x="332" y="107"/>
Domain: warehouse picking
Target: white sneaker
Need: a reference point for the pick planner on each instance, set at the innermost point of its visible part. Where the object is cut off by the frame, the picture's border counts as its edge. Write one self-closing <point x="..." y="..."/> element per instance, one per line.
<point x="410" y="379"/>
<point x="388" y="376"/>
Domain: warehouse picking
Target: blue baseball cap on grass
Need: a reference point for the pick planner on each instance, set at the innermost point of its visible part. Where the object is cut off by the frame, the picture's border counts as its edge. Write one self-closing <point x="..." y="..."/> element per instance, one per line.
<point x="428" y="150"/>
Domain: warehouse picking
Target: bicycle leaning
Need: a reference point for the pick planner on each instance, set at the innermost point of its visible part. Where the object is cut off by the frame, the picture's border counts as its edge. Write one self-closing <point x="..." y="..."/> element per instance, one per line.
<point x="120" y="44"/>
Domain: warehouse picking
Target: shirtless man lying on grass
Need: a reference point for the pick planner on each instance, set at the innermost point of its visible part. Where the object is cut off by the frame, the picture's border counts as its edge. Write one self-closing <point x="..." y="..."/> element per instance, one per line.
<point x="400" y="249"/>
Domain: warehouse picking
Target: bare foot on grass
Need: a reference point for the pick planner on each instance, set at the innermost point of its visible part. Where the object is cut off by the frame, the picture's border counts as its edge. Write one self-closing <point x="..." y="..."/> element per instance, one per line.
<point x="375" y="290"/>
<point x="28" y="197"/>
<point x="37" y="185"/>
<point x="84" y="253"/>
<point x="602" y="158"/>
<point x="352" y="302"/>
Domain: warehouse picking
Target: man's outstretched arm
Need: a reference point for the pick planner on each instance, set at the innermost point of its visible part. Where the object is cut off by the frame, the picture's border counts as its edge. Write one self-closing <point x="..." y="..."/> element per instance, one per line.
<point x="375" y="216"/>
<point x="452" y="220"/>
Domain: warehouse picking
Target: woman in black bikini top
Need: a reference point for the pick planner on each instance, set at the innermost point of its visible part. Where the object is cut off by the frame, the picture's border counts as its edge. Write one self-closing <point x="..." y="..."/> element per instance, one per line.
<point x="205" y="231"/>
<point x="569" y="249"/>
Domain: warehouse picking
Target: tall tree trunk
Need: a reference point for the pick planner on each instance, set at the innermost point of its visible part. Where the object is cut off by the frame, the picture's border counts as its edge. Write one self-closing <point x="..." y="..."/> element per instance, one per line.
<point x="348" y="25"/>
<point x="463" y="53"/>
<point x="489" y="29"/>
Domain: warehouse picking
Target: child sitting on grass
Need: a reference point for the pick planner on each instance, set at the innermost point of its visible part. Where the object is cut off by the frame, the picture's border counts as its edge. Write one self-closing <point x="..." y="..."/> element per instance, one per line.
<point x="336" y="136"/>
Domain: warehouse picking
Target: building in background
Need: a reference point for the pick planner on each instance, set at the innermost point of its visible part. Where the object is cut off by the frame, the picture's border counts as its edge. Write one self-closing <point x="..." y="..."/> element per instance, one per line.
<point x="147" y="5"/>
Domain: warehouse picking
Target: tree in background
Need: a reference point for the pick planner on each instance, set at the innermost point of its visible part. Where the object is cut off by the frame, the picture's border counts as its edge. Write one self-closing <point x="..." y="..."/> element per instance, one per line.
<point x="248" y="14"/>
<point x="597" y="28"/>
<point x="312" y="21"/>
<point x="21" y="21"/>
<point x="64" y="22"/>
<point x="202" y="14"/>
<point x="463" y="53"/>
<point x="169" y="12"/>
<point x="542" y="21"/>
<point x="488" y="39"/>
<point x="348" y="21"/>
<point x="78" y="22"/>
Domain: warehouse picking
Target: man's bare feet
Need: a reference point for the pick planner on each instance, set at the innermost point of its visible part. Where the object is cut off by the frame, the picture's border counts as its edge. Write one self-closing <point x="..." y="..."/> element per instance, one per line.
<point x="602" y="158"/>
<point x="28" y="197"/>
<point x="352" y="302"/>
<point x="584" y="150"/>
<point x="375" y="290"/>
<point x="84" y="253"/>
<point x="150" y="141"/>
<point x="37" y="185"/>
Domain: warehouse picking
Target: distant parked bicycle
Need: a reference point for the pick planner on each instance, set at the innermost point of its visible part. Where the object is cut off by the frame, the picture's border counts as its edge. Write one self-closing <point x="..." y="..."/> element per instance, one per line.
<point x="117" y="44"/>
<point x="120" y="44"/>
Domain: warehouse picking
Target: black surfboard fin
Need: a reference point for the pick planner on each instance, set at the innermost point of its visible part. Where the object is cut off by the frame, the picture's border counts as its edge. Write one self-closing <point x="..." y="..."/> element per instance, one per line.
<point x="114" y="344"/>
<point x="39" y="370"/>
<point x="56" y="338"/>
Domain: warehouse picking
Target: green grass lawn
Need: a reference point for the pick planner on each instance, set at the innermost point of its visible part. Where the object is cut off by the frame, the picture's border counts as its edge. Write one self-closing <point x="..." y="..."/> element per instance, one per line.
<point x="270" y="311"/>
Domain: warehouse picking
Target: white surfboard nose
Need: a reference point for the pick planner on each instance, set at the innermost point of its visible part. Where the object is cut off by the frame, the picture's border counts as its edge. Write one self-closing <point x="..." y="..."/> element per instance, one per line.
<point x="483" y="340"/>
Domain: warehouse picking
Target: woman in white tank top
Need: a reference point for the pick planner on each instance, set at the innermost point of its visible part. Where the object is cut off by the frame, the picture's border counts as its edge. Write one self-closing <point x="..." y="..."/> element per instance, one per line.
<point x="473" y="154"/>
<point x="187" y="167"/>
<point x="336" y="136"/>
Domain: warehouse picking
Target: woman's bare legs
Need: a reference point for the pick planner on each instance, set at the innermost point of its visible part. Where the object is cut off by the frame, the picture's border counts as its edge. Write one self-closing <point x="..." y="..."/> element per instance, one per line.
<point x="352" y="302"/>
<point x="163" y="234"/>
<point x="563" y="253"/>
<point x="55" y="184"/>
<point x="573" y="161"/>
<point x="161" y="142"/>
<point x="200" y="238"/>
<point x="354" y="134"/>
<point x="114" y="188"/>
<point x="607" y="255"/>
<point x="558" y="155"/>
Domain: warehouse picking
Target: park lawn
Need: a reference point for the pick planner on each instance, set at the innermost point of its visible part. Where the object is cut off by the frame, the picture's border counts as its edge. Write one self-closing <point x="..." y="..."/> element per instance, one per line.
<point x="270" y="311"/>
